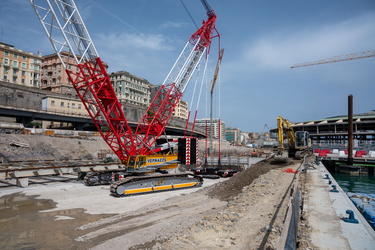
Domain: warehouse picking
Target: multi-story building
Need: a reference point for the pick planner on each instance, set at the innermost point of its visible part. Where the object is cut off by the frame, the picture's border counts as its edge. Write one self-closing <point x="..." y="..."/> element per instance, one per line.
<point x="62" y="105"/>
<point x="54" y="77"/>
<point x="218" y="128"/>
<point x="181" y="110"/>
<point x="19" y="67"/>
<point x="233" y="135"/>
<point x="130" y="88"/>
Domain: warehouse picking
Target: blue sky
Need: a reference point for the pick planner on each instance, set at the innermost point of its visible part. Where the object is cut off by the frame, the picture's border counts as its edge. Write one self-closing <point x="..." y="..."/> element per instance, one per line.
<point x="262" y="40"/>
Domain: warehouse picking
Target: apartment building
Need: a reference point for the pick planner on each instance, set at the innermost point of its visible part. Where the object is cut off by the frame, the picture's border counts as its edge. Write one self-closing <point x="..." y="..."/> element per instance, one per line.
<point x="130" y="88"/>
<point x="54" y="77"/>
<point x="19" y="67"/>
<point x="181" y="110"/>
<point x="218" y="127"/>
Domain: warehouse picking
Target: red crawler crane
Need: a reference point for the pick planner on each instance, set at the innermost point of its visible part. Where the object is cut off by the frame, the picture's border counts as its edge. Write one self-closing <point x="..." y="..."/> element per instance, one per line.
<point x="66" y="31"/>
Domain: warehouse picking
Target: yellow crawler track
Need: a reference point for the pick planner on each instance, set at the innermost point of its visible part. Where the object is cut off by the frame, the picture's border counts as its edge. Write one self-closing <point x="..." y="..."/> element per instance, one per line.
<point x="154" y="183"/>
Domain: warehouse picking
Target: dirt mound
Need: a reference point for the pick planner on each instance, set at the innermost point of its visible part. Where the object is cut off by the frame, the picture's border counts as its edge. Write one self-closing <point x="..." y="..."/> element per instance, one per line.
<point x="233" y="186"/>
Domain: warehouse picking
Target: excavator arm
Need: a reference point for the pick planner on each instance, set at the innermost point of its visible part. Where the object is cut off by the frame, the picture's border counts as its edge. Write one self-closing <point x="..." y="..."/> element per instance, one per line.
<point x="298" y="142"/>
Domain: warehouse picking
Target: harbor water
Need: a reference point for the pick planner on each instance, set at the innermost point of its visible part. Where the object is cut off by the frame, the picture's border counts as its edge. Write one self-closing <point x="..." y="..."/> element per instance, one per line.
<point x="356" y="183"/>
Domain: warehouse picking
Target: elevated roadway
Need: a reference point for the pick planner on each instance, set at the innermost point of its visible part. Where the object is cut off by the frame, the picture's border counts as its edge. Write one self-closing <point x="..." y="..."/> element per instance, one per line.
<point x="27" y="115"/>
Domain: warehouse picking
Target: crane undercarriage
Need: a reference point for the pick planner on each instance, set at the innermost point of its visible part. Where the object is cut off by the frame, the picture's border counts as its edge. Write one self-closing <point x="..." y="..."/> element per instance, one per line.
<point x="154" y="183"/>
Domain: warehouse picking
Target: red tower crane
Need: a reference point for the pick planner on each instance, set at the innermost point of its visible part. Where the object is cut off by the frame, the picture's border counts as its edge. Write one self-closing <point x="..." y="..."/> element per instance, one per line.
<point x="69" y="37"/>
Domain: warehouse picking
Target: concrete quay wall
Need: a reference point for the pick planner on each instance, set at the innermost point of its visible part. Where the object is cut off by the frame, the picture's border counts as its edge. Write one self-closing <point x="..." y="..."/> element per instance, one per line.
<point x="326" y="210"/>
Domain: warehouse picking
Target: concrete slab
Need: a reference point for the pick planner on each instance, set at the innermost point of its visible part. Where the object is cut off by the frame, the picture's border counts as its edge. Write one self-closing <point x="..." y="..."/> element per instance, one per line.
<point x="325" y="211"/>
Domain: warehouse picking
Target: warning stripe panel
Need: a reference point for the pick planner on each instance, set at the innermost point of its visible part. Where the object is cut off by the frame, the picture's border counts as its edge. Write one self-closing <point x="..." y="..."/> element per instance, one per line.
<point x="162" y="187"/>
<point x="138" y="190"/>
<point x="190" y="184"/>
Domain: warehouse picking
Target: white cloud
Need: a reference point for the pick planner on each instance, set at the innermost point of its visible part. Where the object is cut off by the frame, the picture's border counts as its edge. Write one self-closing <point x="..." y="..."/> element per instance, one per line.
<point x="284" y="50"/>
<point x="130" y="41"/>
<point x="169" y="24"/>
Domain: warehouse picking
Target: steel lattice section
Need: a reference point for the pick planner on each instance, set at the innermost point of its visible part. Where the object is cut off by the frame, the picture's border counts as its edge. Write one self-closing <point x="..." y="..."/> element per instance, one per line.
<point x="98" y="96"/>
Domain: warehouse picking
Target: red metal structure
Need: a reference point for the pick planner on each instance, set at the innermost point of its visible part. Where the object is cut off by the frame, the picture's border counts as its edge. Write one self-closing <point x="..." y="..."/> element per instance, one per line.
<point x="67" y="32"/>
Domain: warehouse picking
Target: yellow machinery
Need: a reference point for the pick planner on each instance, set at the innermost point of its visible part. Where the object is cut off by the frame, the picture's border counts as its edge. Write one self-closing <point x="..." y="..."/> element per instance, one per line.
<point x="134" y="184"/>
<point x="151" y="163"/>
<point x="299" y="142"/>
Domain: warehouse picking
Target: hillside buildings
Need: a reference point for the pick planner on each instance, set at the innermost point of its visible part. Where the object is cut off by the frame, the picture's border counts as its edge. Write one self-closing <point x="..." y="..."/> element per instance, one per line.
<point x="19" y="67"/>
<point x="218" y="127"/>
<point x="47" y="73"/>
<point x="130" y="88"/>
<point x="54" y="78"/>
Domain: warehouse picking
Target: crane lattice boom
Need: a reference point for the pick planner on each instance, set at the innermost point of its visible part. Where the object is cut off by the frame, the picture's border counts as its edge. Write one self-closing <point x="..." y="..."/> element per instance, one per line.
<point x="342" y="58"/>
<point x="70" y="39"/>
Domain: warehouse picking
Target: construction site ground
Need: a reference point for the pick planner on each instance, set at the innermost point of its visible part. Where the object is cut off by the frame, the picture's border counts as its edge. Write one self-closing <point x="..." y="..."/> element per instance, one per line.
<point x="242" y="212"/>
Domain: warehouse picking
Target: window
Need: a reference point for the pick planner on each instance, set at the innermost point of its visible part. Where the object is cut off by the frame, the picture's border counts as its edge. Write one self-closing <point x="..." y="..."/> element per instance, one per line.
<point x="62" y="104"/>
<point x="6" y="53"/>
<point x="52" y="103"/>
<point x="79" y="106"/>
<point x="15" y="64"/>
<point x="23" y="81"/>
<point x="15" y="55"/>
<point x="6" y="61"/>
<point x="23" y="57"/>
<point x="23" y="73"/>
<point x="73" y="105"/>
<point x="24" y="65"/>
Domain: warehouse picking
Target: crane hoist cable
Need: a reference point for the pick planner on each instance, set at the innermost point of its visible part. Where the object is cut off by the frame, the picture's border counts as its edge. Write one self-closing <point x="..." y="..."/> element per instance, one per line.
<point x="187" y="11"/>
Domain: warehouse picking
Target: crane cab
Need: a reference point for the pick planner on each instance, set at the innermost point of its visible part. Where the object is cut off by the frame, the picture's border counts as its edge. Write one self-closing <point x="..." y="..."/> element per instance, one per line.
<point x="151" y="163"/>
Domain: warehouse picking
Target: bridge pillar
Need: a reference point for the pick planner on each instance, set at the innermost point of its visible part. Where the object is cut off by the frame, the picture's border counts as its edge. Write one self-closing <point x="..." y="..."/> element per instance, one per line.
<point x="24" y="120"/>
<point x="81" y="125"/>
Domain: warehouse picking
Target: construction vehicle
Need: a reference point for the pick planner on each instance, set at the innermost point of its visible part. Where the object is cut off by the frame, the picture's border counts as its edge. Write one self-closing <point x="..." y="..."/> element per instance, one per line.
<point x="299" y="142"/>
<point x="70" y="39"/>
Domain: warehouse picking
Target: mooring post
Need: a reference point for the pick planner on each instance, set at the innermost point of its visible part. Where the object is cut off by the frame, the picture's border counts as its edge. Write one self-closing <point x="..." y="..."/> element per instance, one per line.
<point x="350" y="130"/>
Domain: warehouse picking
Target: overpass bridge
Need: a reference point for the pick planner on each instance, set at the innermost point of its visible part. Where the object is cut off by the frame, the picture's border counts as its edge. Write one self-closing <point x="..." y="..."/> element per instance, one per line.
<point x="27" y="115"/>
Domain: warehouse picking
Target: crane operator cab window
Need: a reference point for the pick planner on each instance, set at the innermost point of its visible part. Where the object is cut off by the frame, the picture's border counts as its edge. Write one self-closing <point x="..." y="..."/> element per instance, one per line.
<point x="302" y="139"/>
<point x="137" y="161"/>
<point x="131" y="161"/>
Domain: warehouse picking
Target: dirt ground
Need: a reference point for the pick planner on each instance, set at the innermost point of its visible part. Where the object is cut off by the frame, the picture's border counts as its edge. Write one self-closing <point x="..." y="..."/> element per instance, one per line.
<point x="245" y="211"/>
<point x="251" y="219"/>
<point x="242" y="212"/>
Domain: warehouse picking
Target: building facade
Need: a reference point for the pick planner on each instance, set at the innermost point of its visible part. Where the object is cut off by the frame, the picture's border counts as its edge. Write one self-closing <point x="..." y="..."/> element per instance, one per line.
<point x="54" y="77"/>
<point x="181" y="110"/>
<point x="218" y="127"/>
<point x="19" y="67"/>
<point x="62" y="105"/>
<point x="233" y="135"/>
<point x="130" y="88"/>
<point x="334" y="130"/>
